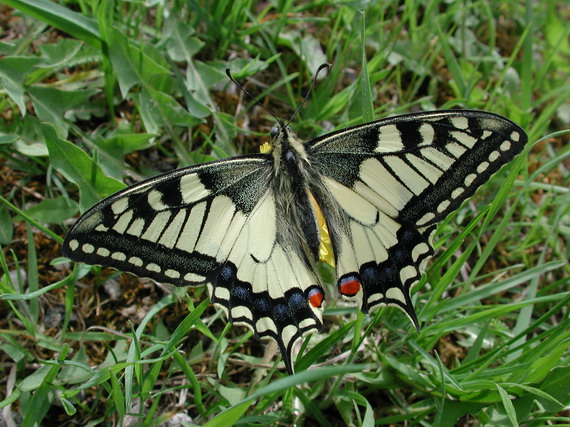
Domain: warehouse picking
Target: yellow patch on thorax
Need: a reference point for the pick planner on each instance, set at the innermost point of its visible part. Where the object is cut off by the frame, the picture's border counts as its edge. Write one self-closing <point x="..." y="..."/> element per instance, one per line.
<point x="265" y="148"/>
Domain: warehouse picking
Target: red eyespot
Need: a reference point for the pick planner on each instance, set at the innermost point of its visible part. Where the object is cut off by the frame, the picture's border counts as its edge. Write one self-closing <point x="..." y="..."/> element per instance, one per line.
<point x="315" y="297"/>
<point x="349" y="286"/>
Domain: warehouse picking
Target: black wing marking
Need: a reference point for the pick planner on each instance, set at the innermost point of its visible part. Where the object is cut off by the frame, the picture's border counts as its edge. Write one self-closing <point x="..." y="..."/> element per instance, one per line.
<point x="393" y="180"/>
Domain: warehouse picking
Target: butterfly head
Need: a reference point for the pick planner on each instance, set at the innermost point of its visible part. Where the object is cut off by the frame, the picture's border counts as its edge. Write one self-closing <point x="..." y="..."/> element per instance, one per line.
<point x="274" y="132"/>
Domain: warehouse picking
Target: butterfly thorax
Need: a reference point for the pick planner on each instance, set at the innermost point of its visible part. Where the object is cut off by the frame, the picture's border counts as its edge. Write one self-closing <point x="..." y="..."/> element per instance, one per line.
<point x="291" y="188"/>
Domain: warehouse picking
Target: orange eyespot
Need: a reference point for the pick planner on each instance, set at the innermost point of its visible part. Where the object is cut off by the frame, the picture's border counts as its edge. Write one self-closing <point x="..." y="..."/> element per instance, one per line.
<point x="349" y="286"/>
<point x="315" y="297"/>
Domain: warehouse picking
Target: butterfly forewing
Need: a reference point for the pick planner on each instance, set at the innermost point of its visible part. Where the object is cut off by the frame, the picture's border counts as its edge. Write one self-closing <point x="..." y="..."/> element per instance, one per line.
<point x="171" y="227"/>
<point x="394" y="179"/>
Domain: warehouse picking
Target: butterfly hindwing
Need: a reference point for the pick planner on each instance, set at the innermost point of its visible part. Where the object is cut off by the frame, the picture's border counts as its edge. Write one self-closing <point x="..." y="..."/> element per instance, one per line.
<point x="267" y="284"/>
<point x="394" y="179"/>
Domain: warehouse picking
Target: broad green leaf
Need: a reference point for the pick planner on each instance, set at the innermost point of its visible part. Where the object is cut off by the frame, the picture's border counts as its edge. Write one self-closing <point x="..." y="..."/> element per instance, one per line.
<point x="169" y="110"/>
<point x="212" y="73"/>
<point x="53" y="211"/>
<point x="13" y="72"/>
<point x="181" y="44"/>
<point x="453" y="410"/>
<point x="232" y="394"/>
<point x="307" y="48"/>
<point x="51" y="104"/>
<point x="122" y="144"/>
<point x="77" y="167"/>
<point x="59" y="54"/>
<point x="131" y="64"/>
<point x="112" y="151"/>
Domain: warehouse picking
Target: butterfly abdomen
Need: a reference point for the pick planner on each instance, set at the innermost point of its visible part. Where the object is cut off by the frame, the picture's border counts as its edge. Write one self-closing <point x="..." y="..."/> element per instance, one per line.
<point x="291" y="184"/>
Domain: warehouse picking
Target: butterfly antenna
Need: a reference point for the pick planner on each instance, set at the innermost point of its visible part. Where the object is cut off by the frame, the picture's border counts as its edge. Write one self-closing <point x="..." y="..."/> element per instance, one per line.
<point x="321" y="67"/>
<point x="229" y="74"/>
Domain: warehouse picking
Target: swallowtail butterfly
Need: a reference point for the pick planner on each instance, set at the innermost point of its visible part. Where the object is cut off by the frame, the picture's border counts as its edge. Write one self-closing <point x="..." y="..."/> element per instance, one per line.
<point x="252" y="227"/>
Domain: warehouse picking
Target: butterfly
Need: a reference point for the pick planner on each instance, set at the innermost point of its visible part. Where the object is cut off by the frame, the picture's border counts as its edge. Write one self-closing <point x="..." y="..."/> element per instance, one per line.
<point x="252" y="228"/>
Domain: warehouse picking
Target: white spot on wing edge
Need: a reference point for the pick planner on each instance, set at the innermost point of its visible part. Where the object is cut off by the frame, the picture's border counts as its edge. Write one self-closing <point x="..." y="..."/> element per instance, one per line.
<point x="119" y="256"/>
<point x="443" y="206"/>
<point x="241" y="311"/>
<point x="153" y="267"/>
<point x="494" y="156"/>
<point x="396" y="294"/>
<point x="460" y="122"/>
<point x="120" y="205"/>
<point x="192" y="189"/>
<point x="103" y="252"/>
<point x="426" y="218"/>
<point x="469" y="179"/>
<point x="307" y="323"/>
<point x="173" y="274"/>
<point x="419" y="249"/>
<point x="194" y="278"/>
<point x="265" y="324"/>
<point x="515" y="136"/>
<point x="88" y="248"/>
<point x="482" y="167"/>
<point x="376" y="297"/>
<point x="427" y="133"/>
<point x="505" y="146"/>
<point x="288" y="334"/>
<point x="73" y="244"/>
<point x="222" y="293"/>
<point x="457" y="192"/>
<point x="136" y="261"/>
<point x="389" y="139"/>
